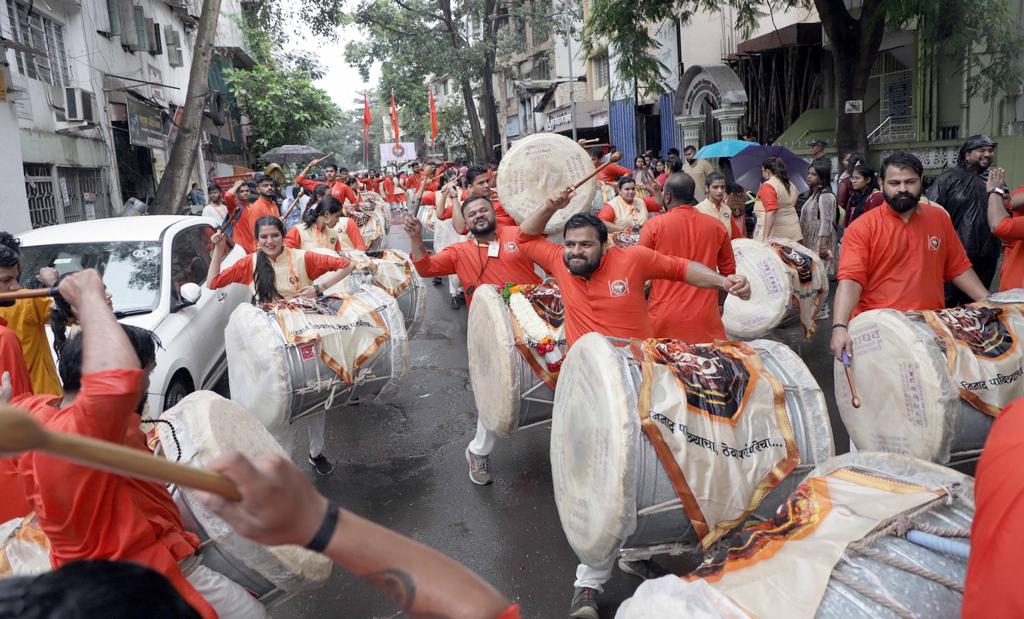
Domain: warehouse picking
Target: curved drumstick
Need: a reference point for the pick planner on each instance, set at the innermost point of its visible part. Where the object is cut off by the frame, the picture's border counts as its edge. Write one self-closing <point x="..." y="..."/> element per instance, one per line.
<point x="849" y="379"/>
<point x="19" y="432"/>
<point x="29" y="293"/>
<point x="614" y="158"/>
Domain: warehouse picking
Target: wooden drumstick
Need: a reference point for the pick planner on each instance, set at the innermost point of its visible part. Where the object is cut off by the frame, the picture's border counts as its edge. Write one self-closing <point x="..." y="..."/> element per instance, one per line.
<point x="590" y="141"/>
<point x="20" y="432"/>
<point x="295" y="202"/>
<point x="849" y="379"/>
<point x="615" y="157"/>
<point x="29" y="293"/>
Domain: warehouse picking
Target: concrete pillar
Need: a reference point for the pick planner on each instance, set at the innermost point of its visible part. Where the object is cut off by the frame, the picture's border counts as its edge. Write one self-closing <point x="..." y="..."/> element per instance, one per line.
<point x="14" y="217"/>
<point x="729" y="119"/>
<point x="691" y="130"/>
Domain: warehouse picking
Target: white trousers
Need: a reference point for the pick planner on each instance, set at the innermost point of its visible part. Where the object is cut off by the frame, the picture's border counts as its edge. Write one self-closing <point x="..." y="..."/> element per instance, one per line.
<point x="454" y="287"/>
<point x="594" y="577"/>
<point x="314" y="425"/>
<point x="226" y="596"/>
<point x="483" y="442"/>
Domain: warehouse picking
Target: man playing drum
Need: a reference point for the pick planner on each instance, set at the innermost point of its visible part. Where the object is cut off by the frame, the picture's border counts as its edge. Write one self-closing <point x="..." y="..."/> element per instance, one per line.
<point x="337" y="182"/>
<point x="276" y="272"/>
<point x="91" y="514"/>
<point x="492" y="256"/>
<point x="899" y="255"/>
<point x="477" y="184"/>
<point x="678" y="310"/>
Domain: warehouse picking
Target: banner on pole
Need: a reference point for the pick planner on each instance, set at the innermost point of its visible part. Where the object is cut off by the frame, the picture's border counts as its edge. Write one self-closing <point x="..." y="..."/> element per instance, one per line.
<point x="397" y="153"/>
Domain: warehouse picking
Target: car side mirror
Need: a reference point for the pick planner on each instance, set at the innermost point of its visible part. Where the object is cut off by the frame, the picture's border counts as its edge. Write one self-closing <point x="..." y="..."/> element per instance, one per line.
<point x="190" y="293"/>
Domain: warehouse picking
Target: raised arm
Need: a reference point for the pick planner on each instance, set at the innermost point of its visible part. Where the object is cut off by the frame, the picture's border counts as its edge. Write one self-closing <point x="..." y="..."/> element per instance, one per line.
<point x="996" y="210"/>
<point x="104" y="343"/>
<point x="538" y="220"/>
<point x="220" y="244"/>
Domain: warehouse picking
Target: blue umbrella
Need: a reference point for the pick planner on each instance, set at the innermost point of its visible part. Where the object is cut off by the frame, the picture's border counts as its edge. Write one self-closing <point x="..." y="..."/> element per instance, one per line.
<point x="746" y="166"/>
<point x="725" y="148"/>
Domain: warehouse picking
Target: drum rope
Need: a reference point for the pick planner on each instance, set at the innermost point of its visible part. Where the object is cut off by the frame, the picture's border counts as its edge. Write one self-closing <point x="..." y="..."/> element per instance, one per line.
<point x="907" y="524"/>
<point x="873" y="595"/>
<point x="902" y="564"/>
<point x="174" y="435"/>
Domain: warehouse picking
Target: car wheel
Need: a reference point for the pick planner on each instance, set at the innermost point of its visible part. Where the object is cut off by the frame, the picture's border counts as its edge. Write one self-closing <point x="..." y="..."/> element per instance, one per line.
<point x="176" y="392"/>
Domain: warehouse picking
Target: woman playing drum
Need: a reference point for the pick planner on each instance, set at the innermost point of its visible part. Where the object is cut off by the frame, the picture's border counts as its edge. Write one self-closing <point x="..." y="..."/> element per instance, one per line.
<point x="317" y="229"/>
<point x="626" y="210"/>
<point x="275" y="272"/>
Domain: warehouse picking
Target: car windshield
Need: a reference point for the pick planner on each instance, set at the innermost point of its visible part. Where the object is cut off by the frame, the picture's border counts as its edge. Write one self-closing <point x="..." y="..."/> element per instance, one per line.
<point x="130" y="269"/>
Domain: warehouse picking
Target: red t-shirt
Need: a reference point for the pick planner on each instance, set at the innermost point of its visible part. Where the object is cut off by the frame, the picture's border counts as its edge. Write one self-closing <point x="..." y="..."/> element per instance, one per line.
<point x="611" y="301"/>
<point x="12" y="361"/>
<point x="677" y="309"/>
<point x="997" y="533"/>
<point x="242" y="234"/>
<point x="469" y="260"/>
<point x="612" y="173"/>
<point x="902" y="265"/>
<point x="91" y="514"/>
<point x="241" y="272"/>
<point x="339" y="189"/>
<point x="607" y="213"/>
<point x="1011" y="232"/>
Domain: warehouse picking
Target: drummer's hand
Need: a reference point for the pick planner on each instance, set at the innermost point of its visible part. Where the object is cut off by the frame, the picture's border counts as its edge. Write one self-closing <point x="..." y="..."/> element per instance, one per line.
<point x="6" y="389"/>
<point x="278" y="506"/>
<point x="307" y="292"/>
<point x="413" y="226"/>
<point x="219" y="241"/>
<point x="561" y="199"/>
<point x="841" y="341"/>
<point x="48" y="276"/>
<point x="738" y="286"/>
<point x="83" y="289"/>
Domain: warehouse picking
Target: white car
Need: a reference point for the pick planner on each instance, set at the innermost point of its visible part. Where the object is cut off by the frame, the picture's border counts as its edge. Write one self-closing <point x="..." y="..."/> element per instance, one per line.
<point x="147" y="263"/>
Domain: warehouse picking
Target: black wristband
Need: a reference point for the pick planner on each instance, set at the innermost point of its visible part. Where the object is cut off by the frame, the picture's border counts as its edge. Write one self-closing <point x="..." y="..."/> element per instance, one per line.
<point x="326" y="530"/>
<point x="839" y="325"/>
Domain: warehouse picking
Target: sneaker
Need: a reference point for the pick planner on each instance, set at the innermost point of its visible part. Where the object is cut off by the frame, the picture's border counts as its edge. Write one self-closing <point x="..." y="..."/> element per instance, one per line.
<point x="437" y="281"/>
<point x="644" y="569"/>
<point x="321" y="464"/>
<point x="584" y="603"/>
<point x="823" y="313"/>
<point x="456" y="303"/>
<point x="478" y="466"/>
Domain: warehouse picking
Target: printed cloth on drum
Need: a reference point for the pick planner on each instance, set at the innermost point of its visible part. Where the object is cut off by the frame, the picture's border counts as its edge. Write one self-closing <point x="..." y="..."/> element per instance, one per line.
<point x="719" y="425"/>
<point x="787" y="561"/>
<point x="809" y="279"/>
<point x="538" y="318"/>
<point x="391" y="271"/>
<point x="24" y="548"/>
<point x="343" y="330"/>
<point x="625" y="238"/>
<point x="983" y="352"/>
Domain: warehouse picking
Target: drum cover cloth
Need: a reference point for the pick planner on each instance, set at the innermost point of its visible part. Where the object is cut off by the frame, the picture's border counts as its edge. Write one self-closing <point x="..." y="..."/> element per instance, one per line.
<point x="809" y="279"/>
<point x="771" y="291"/>
<point x="718" y="421"/>
<point x="24" y="548"/>
<point x="207" y="426"/>
<point x="394" y="273"/>
<point x="536" y="168"/>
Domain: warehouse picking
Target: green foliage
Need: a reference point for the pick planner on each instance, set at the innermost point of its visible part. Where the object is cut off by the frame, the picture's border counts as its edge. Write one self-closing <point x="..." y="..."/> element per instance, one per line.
<point x="453" y="130"/>
<point x="345" y="137"/>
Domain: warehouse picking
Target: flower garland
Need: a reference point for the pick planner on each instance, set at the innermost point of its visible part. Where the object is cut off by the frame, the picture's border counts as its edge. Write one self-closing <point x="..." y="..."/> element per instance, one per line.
<point x="536" y="332"/>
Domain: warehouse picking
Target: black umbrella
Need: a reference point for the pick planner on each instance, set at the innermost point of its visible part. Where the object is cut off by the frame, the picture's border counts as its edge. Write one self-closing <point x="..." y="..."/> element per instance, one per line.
<point x="746" y="166"/>
<point x="292" y="153"/>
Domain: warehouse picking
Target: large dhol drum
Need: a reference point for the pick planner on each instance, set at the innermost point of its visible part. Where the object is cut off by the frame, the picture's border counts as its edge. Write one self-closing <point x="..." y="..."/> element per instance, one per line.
<point x="280" y="382"/>
<point x="781" y="290"/>
<point x="861" y="537"/>
<point x="373" y="226"/>
<point x="428" y="217"/>
<point x="508" y="392"/>
<point x="206" y="426"/>
<point x="611" y="490"/>
<point x="912" y="401"/>
<point x="446" y="236"/>
<point x="24" y="548"/>
<point x="537" y="167"/>
<point x="394" y="273"/>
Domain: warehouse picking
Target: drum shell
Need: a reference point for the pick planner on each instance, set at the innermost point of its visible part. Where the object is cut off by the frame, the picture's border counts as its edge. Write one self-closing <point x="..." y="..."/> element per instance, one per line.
<point x="411" y="301"/>
<point x="428" y="228"/>
<point x="643" y="480"/>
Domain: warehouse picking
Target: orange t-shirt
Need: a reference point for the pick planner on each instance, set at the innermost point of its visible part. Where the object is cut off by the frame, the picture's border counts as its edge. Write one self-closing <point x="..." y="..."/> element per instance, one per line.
<point x="469" y="260"/>
<point x="1011" y="232"/>
<point x="12" y="361"/>
<point x="739" y="227"/>
<point x="91" y="514"/>
<point x="902" y="265"/>
<point x="612" y="173"/>
<point x="244" y="227"/>
<point x="501" y="217"/>
<point x="241" y="272"/>
<point x="768" y="197"/>
<point x="339" y="188"/>
<point x="294" y="237"/>
<point x="997" y="532"/>
<point x="611" y="301"/>
<point x="677" y="309"/>
<point x="607" y="213"/>
<point x="413" y="181"/>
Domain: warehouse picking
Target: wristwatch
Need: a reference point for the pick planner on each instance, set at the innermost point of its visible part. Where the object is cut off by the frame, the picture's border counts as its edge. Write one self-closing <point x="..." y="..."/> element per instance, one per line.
<point x="998" y="190"/>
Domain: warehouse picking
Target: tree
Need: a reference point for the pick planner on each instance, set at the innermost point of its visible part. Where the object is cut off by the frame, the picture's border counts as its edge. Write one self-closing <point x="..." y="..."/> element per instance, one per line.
<point x="979" y="36"/>
<point x="345" y="137"/>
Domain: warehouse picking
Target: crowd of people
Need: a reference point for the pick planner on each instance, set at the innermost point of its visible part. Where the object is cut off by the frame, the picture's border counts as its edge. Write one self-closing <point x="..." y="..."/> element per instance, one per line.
<point x="668" y="222"/>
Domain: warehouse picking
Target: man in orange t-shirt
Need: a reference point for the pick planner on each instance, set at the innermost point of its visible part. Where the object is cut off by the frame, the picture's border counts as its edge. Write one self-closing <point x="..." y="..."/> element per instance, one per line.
<point x="334" y="178"/>
<point x="478" y="184"/>
<point x="678" y="310"/>
<point x="91" y="514"/>
<point x="898" y="255"/>
<point x="1006" y="221"/>
<point x="15" y="382"/>
<point x="242" y="224"/>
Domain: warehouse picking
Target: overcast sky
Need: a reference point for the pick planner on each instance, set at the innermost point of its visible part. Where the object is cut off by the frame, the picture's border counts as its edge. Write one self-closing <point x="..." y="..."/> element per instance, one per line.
<point x="341" y="81"/>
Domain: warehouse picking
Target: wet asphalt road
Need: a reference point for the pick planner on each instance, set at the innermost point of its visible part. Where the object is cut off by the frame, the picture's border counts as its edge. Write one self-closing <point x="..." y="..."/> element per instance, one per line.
<point x="402" y="464"/>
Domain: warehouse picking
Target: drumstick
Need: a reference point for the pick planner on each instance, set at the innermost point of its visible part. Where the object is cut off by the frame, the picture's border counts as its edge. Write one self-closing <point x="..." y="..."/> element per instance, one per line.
<point x="295" y="202"/>
<point x="29" y="293"/>
<point x="849" y="379"/>
<point x="20" y="432"/>
<point x="615" y="157"/>
<point x="590" y="141"/>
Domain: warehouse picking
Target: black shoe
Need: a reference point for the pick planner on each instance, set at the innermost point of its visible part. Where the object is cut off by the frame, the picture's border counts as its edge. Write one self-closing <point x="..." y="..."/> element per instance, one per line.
<point x="437" y="281"/>
<point x="321" y="464"/>
<point x="584" y="603"/>
<point x="644" y="569"/>
<point x="455" y="303"/>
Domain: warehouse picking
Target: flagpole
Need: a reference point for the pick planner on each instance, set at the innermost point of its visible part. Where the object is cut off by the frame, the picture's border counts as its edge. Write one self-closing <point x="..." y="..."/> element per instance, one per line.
<point x="366" y="138"/>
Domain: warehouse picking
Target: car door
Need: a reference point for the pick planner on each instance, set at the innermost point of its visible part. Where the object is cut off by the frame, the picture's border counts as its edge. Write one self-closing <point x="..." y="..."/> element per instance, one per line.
<point x="208" y="318"/>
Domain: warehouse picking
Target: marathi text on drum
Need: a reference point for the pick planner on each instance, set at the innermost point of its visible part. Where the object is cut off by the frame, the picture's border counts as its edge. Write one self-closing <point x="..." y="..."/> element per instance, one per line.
<point x="320" y="327"/>
<point x="747" y="451"/>
<point x="999" y="379"/>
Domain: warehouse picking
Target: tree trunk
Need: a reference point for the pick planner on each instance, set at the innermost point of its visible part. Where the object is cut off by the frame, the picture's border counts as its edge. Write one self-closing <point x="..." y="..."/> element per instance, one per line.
<point x="489" y="107"/>
<point x="174" y="184"/>
<point x="855" y="45"/>
<point x="479" y="147"/>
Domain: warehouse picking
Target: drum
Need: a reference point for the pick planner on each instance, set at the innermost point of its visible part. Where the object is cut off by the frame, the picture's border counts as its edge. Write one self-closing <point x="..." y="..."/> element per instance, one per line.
<point x="537" y="167"/>
<point x="24" y="548"/>
<point x="786" y="282"/>
<point x="280" y="382"/>
<point x="610" y="487"/>
<point x="373" y="228"/>
<point x="395" y="274"/>
<point x="446" y="236"/>
<point x="206" y="426"/>
<point x="911" y="400"/>
<point x="872" y="501"/>
<point x="508" y="392"/>
<point x="427" y="217"/>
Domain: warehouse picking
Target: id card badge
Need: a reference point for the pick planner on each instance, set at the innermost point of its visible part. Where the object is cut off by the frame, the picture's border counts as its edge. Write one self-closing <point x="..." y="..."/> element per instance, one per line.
<point x="492" y="249"/>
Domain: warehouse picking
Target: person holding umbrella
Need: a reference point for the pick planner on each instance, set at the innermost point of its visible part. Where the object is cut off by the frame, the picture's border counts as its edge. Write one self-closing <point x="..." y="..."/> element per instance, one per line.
<point x="776" y="203"/>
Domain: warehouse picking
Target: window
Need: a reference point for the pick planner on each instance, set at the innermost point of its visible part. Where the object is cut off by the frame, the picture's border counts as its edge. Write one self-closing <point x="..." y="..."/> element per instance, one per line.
<point x="602" y="72"/>
<point x="172" y="40"/>
<point x="141" y="31"/>
<point x="45" y="35"/>
<point x="114" y="15"/>
<point x="541" y="70"/>
<point x="190" y="256"/>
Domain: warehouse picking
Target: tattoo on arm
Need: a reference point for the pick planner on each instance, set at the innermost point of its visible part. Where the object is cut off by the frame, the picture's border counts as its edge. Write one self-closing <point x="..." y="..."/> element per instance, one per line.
<point x="401" y="589"/>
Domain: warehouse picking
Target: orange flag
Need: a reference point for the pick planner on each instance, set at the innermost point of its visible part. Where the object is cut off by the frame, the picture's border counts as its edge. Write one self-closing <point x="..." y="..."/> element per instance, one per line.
<point x="367" y="119"/>
<point x="394" y="117"/>
<point x="433" y="117"/>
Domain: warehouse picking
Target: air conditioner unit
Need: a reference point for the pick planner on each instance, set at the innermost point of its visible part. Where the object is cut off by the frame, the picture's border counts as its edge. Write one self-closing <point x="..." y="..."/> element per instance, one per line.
<point x="79" y="105"/>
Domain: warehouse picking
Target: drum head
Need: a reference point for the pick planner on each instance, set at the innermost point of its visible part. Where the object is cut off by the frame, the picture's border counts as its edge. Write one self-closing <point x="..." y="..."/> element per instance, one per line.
<point x="493" y="367"/>
<point x="595" y="434"/>
<point x="207" y="426"/>
<point x="257" y="371"/>
<point x="1014" y="295"/>
<point x="908" y="403"/>
<point x="771" y="291"/>
<point x="538" y="166"/>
